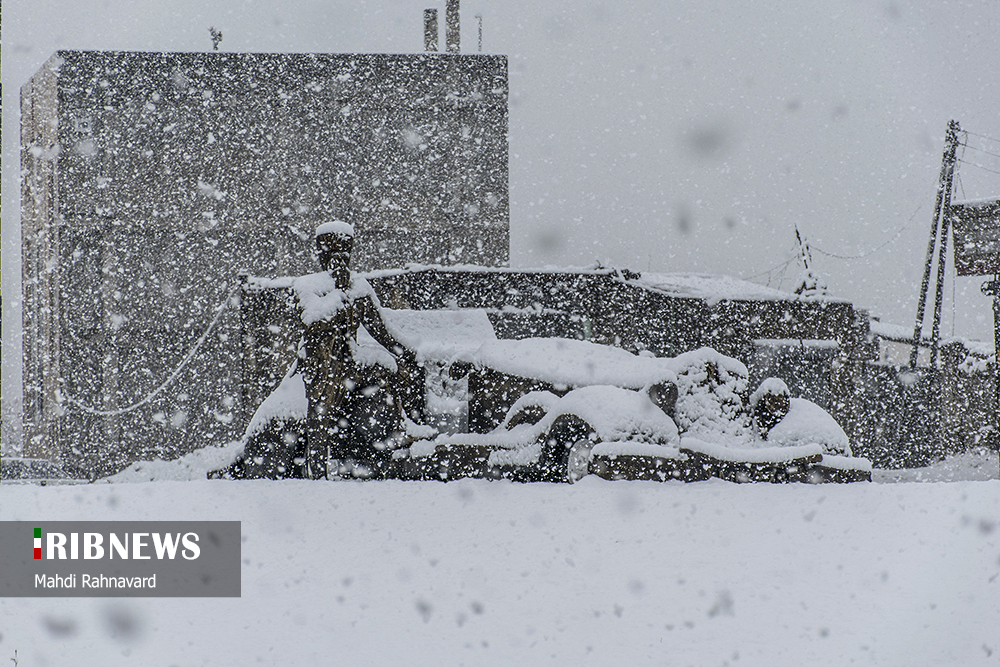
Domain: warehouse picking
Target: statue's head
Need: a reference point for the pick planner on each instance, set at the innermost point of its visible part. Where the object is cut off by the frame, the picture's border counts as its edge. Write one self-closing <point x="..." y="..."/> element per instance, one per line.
<point x="334" y="242"/>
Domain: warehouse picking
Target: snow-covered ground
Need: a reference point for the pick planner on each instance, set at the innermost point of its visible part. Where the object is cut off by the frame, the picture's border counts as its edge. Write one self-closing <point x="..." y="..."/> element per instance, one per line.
<point x="974" y="465"/>
<point x="498" y="573"/>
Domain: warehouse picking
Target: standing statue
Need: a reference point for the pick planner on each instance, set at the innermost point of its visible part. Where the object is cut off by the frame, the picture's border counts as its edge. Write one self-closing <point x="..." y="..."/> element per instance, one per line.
<point x="339" y="400"/>
<point x="332" y="311"/>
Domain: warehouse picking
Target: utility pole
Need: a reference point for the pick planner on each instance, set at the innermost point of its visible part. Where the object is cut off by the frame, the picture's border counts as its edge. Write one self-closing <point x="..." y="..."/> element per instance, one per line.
<point x="939" y="229"/>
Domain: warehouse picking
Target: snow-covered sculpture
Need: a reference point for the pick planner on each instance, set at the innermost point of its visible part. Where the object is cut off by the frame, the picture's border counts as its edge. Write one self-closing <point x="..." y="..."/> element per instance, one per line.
<point x="334" y="303"/>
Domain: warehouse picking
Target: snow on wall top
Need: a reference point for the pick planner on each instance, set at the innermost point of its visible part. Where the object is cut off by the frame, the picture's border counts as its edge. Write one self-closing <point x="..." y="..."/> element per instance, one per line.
<point x="712" y="288"/>
<point x="891" y="331"/>
<point x="980" y="201"/>
<point x="900" y="332"/>
<point x="569" y="362"/>
<point x="439" y="334"/>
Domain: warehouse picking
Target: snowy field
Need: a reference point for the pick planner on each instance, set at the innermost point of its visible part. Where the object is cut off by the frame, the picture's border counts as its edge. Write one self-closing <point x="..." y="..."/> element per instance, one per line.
<point x="497" y="573"/>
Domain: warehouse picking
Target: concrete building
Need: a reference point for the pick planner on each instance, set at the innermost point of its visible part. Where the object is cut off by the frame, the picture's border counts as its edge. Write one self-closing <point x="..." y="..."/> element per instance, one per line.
<point x="150" y="180"/>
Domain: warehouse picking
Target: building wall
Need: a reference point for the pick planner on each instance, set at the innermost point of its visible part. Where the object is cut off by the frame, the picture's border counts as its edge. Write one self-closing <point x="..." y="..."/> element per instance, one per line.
<point x="153" y="179"/>
<point x="40" y="339"/>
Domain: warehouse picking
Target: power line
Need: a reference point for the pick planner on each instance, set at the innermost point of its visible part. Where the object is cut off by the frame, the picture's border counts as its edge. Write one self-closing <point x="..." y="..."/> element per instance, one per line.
<point x="973" y="164"/>
<point x="958" y="175"/>
<point x="982" y="150"/>
<point x="981" y="136"/>
<point x="773" y="268"/>
<point x="873" y="250"/>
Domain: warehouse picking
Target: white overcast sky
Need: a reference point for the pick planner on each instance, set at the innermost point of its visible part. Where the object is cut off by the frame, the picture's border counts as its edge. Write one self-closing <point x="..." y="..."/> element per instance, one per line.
<point x="661" y="135"/>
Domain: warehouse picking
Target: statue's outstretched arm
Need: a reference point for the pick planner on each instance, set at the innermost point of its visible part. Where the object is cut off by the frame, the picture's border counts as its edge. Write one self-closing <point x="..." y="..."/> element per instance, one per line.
<point x="408" y="389"/>
<point x="372" y="320"/>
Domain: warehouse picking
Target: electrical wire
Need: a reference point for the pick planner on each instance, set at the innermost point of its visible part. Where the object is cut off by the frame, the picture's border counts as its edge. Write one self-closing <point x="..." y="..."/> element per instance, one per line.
<point x="973" y="164"/>
<point x="873" y="250"/>
<point x="166" y="383"/>
<point x="981" y="136"/>
<point x="965" y="144"/>
<point x="981" y="150"/>
<point x="781" y="276"/>
<point x="773" y="268"/>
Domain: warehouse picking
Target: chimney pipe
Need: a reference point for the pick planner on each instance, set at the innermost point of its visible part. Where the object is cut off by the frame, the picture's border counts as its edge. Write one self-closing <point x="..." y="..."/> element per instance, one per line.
<point x="430" y="30"/>
<point x="452" y="34"/>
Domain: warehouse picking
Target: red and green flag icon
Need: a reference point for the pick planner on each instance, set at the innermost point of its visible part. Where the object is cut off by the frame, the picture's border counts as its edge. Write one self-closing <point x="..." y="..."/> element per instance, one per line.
<point x="38" y="543"/>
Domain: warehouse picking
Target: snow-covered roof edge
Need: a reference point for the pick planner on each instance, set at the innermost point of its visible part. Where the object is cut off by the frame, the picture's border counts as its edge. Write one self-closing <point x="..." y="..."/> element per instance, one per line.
<point x="982" y="201"/>
<point x="904" y="334"/>
<point x="712" y="288"/>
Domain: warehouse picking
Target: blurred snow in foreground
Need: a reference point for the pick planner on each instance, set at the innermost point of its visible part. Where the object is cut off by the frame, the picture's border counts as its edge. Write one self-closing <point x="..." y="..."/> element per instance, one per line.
<point x="498" y="573"/>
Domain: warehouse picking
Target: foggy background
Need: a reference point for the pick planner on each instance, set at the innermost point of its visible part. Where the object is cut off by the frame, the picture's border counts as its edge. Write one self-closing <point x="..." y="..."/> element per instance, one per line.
<point x="658" y="135"/>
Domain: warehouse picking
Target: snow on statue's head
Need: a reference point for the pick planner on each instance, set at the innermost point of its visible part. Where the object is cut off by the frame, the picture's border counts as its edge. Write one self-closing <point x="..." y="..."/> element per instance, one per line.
<point x="334" y="242"/>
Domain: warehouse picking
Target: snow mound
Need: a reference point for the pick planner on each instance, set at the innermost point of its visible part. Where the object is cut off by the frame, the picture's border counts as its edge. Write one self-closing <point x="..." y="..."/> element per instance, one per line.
<point x="751" y="455"/>
<point x="805" y="424"/>
<point x="193" y="466"/>
<point x="614" y="414"/>
<point x="976" y="465"/>
<point x="543" y="400"/>
<point x="573" y="363"/>
<point x="288" y="401"/>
